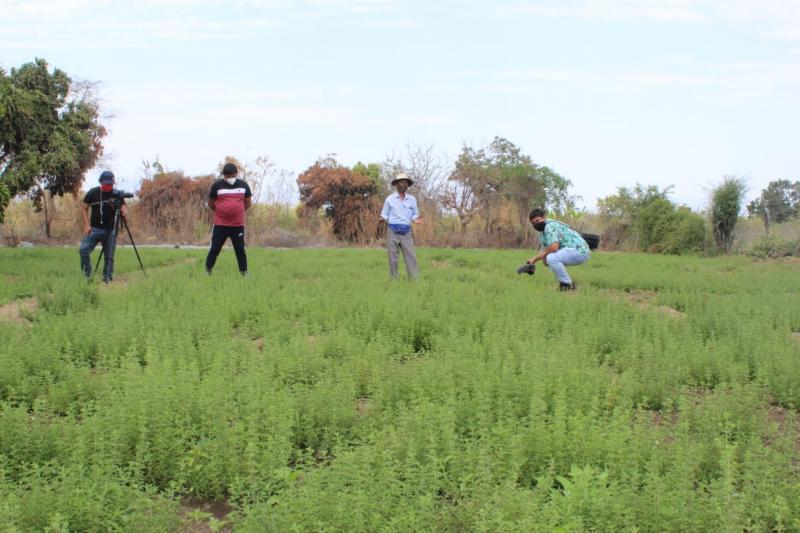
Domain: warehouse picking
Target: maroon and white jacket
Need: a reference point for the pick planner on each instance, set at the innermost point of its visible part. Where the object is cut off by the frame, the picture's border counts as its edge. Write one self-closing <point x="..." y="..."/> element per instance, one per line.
<point x="229" y="208"/>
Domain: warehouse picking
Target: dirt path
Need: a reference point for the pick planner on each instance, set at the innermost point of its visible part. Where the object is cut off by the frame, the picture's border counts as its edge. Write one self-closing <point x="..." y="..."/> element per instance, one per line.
<point x="122" y="281"/>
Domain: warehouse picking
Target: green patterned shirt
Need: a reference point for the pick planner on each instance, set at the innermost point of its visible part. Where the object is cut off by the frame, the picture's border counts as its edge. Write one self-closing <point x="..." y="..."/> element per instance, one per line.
<point x="565" y="236"/>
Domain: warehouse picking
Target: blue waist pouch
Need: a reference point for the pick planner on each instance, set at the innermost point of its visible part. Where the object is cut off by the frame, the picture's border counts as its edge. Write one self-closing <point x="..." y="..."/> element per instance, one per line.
<point x="400" y="229"/>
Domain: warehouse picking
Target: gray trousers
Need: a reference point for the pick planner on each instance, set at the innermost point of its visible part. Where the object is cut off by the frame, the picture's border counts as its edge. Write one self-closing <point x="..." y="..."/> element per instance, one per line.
<point x="396" y="243"/>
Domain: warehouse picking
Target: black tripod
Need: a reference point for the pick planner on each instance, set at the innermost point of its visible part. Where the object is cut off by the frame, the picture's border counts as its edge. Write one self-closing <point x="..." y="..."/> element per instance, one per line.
<point x="119" y="220"/>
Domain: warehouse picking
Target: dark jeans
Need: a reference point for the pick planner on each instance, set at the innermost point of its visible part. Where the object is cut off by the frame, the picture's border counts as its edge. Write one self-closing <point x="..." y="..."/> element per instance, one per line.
<point x="88" y="244"/>
<point x="219" y="234"/>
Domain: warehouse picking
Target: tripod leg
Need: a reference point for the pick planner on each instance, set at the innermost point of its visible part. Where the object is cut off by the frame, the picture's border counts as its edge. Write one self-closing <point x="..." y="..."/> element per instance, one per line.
<point x="111" y="251"/>
<point x="135" y="250"/>
<point x="99" y="258"/>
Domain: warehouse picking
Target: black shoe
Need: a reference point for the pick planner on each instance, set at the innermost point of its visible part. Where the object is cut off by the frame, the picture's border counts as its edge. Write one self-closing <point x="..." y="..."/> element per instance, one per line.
<point x="566" y="286"/>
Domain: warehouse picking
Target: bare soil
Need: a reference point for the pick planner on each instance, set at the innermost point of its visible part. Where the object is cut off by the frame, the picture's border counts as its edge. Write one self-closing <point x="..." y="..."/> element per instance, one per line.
<point x="362" y="406"/>
<point x="218" y="510"/>
<point x="778" y="415"/>
<point x="15" y="311"/>
<point x="644" y="300"/>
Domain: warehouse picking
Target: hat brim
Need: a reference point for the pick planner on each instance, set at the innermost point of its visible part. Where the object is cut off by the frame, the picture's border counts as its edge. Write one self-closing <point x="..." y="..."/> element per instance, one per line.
<point x="396" y="180"/>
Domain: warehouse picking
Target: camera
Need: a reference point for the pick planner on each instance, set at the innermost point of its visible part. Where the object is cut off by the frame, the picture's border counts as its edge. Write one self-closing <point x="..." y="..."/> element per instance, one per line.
<point x="119" y="193"/>
<point x="117" y="196"/>
<point x="527" y="268"/>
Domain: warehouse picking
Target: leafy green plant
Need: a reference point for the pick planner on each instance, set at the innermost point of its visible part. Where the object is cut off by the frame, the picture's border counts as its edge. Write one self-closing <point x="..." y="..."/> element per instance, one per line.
<point x="318" y="395"/>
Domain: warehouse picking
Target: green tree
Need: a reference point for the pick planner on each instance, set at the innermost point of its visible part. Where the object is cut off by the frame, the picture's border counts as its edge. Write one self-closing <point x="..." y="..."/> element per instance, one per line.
<point x="726" y="203"/>
<point x="525" y="183"/>
<point x="627" y="202"/>
<point x="631" y="215"/>
<point x="779" y="202"/>
<point x="50" y="134"/>
<point x="373" y="172"/>
<point x="485" y="177"/>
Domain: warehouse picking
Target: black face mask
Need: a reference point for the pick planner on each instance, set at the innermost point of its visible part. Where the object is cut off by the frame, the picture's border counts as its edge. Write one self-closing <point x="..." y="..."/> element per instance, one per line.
<point x="539" y="226"/>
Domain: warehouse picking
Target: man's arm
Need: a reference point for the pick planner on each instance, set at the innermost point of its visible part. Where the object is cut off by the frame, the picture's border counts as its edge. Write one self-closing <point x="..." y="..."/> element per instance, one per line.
<point x="248" y="197"/>
<point x="212" y="197"/>
<point x="87" y="228"/>
<point x="385" y="211"/>
<point x="541" y="256"/>
<point x="416" y="218"/>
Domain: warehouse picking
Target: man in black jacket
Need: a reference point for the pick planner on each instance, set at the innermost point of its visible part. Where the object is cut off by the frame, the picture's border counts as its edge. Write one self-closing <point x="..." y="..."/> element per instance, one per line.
<point x="99" y="227"/>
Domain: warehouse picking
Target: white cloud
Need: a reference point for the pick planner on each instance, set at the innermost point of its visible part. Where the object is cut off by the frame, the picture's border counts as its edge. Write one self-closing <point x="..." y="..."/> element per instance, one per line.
<point x="779" y="19"/>
<point x="745" y="82"/>
<point x="87" y="24"/>
<point x="660" y="10"/>
<point x="391" y="23"/>
<point x="631" y="78"/>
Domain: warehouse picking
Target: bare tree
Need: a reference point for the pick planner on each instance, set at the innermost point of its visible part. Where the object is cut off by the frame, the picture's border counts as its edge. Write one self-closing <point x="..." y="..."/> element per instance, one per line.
<point x="462" y="198"/>
<point x="272" y="184"/>
<point x="429" y="168"/>
<point x="423" y="163"/>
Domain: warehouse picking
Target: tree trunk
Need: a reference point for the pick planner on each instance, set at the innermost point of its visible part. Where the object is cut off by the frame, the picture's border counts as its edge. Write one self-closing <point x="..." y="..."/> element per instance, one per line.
<point x="47" y="218"/>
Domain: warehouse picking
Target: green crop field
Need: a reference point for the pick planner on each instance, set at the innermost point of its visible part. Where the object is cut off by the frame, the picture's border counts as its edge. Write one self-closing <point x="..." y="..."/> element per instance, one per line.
<point x="317" y="395"/>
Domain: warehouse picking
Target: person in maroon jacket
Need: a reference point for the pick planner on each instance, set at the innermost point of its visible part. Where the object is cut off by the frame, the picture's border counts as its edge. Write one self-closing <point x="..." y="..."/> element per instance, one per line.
<point x="229" y="198"/>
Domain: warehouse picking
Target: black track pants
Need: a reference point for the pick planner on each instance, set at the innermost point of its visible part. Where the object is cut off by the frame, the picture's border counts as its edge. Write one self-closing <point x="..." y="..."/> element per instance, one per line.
<point x="219" y="234"/>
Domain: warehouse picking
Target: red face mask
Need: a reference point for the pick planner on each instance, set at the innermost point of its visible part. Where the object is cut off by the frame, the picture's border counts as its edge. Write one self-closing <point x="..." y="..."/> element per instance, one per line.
<point x="106" y="187"/>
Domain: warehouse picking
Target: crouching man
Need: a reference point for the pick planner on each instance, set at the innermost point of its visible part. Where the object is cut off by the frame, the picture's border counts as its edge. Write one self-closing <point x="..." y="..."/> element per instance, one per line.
<point x="561" y="246"/>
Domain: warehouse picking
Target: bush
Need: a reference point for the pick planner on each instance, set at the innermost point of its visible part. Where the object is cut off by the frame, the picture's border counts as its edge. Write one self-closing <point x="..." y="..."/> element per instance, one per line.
<point x="688" y="233"/>
<point x="774" y="247"/>
<point x="654" y="224"/>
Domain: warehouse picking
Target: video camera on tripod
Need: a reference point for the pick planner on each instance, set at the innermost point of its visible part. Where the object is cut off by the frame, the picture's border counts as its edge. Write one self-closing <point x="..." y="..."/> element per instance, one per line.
<point x="115" y="200"/>
<point x="119" y="194"/>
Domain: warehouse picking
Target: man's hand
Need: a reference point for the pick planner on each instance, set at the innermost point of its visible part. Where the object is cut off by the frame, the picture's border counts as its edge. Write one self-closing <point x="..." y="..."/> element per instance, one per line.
<point x="123" y="211"/>
<point x="417" y="220"/>
<point x="87" y="229"/>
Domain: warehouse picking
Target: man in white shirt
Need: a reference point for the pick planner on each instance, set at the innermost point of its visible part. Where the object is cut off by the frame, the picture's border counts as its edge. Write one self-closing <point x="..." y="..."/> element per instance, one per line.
<point x="400" y="213"/>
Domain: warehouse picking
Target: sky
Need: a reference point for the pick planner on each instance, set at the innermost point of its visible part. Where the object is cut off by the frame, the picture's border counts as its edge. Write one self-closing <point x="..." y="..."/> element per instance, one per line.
<point x="608" y="93"/>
